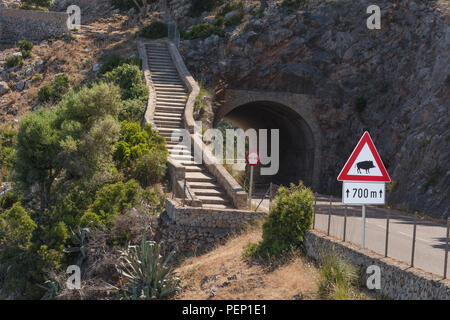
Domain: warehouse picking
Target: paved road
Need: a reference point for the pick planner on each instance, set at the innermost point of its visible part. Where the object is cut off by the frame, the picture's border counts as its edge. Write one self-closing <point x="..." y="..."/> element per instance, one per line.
<point x="430" y="236"/>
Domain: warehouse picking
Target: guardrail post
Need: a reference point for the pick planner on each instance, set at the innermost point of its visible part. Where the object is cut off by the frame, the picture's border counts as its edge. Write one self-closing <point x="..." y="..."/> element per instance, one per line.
<point x="173" y="186"/>
<point x="414" y="240"/>
<point x="446" y="249"/>
<point x="345" y="223"/>
<point x="184" y="191"/>
<point x="314" y="216"/>
<point x="329" y="218"/>
<point x="386" y="243"/>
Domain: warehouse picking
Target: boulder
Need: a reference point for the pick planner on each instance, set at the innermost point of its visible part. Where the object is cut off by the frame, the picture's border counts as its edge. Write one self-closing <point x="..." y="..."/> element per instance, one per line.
<point x="4" y="88"/>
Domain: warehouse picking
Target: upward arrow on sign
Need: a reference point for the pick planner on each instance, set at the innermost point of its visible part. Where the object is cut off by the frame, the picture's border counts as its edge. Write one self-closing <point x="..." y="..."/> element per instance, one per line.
<point x="364" y="163"/>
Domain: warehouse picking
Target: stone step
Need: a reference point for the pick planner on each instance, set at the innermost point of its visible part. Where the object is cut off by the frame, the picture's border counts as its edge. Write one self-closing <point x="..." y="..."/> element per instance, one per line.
<point x="194" y="168"/>
<point x="171" y="104"/>
<point x="164" y="73"/>
<point x="179" y="152"/>
<point x="169" y="109"/>
<point x="203" y="185"/>
<point x="176" y="100"/>
<point x="176" y="125"/>
<point x="199" y="177"/>
<point x="165" y="76"/>
<point x="162" y="69"/>
<point x="167" y="80"/>
<point x="212" y="200"/>
<point x="167" y="117"/>
<point x="182" y="157"/>
<point x="208" y="192"/>
<point x="167" y="90"/>
<point x="169" y="86"/>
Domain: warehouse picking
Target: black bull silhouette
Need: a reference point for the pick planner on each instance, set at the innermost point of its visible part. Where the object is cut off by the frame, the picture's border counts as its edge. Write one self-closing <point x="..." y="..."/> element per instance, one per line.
<point x="366" y="165"/>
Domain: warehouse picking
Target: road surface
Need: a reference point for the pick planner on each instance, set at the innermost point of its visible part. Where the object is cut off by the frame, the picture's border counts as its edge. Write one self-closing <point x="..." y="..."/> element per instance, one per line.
<point x="430" y="236"/>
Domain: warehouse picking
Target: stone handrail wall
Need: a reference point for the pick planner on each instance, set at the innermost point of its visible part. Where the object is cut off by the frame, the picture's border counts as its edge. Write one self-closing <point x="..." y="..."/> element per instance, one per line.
<point x="398" y="280"/>
<point x="151" y="103"/>
<point x="32" y="25"/>
<point x="232" y="188"/>
<point x="176" y="170"/>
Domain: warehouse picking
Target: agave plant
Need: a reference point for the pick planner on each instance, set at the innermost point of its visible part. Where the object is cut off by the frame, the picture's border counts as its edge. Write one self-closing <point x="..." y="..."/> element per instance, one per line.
<point x="146" y="274"/>
<point x="79" y="236"/>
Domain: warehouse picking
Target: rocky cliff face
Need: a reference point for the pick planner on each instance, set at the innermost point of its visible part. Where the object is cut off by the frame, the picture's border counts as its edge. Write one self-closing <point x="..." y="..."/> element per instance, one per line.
<point x="393" y="82"/>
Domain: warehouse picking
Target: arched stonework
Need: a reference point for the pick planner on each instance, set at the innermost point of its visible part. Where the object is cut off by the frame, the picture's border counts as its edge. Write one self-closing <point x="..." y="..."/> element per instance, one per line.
<point x="292" y="113"/>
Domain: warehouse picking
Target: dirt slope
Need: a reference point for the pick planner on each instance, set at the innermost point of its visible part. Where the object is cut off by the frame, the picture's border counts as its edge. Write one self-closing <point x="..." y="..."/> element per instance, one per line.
<point x="224" y="274"/>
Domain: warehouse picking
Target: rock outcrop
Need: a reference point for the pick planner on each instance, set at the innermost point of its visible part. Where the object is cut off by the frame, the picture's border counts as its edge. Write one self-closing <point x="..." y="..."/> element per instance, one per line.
<point x="394" y="82"/>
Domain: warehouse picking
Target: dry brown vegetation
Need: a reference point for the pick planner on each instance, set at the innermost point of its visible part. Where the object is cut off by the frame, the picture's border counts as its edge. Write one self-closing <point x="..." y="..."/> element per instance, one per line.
<point x="76" y="57"/>
<point x="225" y="274"/>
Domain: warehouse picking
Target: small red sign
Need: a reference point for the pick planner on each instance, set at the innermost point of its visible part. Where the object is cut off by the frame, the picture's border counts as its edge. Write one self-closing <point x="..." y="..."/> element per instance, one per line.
<point x="364" y="164"/>
<point x="252" y="158"/>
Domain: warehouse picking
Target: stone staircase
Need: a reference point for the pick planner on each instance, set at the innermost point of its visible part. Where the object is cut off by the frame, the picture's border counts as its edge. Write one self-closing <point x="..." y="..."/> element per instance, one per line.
<point x="171" y="97"/>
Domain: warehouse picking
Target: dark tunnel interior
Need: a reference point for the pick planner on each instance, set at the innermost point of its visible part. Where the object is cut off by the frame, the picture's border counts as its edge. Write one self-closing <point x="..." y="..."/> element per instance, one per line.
<point x="296" y="144"/>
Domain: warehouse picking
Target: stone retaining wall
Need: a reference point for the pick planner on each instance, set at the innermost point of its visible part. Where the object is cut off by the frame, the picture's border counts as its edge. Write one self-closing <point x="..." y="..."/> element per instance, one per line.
<point x="231" y="219"/>
<point x="31" y="25"/>
<point x="398" y="280"/>
<point x="197" y="230"/>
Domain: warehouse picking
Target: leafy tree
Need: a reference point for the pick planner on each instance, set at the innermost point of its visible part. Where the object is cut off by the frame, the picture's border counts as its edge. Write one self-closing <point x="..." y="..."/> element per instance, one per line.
<point x="37" y="152"/>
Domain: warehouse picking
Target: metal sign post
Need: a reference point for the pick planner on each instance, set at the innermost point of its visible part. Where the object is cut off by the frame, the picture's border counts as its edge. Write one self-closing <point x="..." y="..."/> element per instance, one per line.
<point x="252" y="158"/>
<point x="250" y="188"/>
<point x="363" y="227"/>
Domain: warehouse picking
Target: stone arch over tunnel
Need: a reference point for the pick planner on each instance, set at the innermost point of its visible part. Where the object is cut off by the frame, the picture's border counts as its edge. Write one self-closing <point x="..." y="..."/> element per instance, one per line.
<point x="292" y="114"/>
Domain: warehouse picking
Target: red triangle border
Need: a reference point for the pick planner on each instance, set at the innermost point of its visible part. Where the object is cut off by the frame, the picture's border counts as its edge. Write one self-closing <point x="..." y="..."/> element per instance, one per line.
<point x="344" y="176"/>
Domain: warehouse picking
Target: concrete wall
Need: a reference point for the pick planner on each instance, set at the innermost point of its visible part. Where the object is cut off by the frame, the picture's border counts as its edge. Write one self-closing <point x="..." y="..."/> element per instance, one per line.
<point x="398" y="280"/>
<point x="31" y="25"/>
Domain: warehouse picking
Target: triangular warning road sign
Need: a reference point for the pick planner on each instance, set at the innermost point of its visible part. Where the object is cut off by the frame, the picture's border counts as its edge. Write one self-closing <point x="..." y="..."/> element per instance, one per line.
<point x="364" y="164"/>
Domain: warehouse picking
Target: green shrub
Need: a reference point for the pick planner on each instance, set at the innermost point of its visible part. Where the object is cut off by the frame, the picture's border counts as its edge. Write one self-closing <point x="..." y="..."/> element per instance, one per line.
<point x="202" y="31"/>
<point x="16" y="227"/>
<point x="150" y="168"/>
<point x="235" y="20"/>
<point x="132" y="110"/>
<point x="37" y="3"/>
<point x="289" y="218"/>
<point x="146" y="274"/>
<point x="130" y="79"/>
<point x="220" y="21"/>
<point x="200" y="6"/>
<point x="155" y="30"/>
<point x="111" y="200"/>
<point x="293" y="3"/>
<point x="230" y="6"/>
<point x="25" y="45"/>
<point x="113" y="62"/>
<point x="54" y="92"/>
<point x="13" y="61"/>
<point x="60" y="87"/>
<point x="10" y="198"/>
<point x="45" y="93"/>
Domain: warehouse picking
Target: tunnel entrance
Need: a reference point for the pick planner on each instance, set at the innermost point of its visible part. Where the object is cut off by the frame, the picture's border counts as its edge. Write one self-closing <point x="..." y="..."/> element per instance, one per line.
<point x="296" y="144"/>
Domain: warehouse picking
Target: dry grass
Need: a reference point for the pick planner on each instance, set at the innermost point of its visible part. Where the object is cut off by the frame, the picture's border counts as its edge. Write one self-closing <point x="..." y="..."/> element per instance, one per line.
<point x="224" y="274"/>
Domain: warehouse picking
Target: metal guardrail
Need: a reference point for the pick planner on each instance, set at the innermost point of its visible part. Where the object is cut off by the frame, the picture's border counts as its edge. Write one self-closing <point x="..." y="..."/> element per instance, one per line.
<point x="386" y="249"/>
